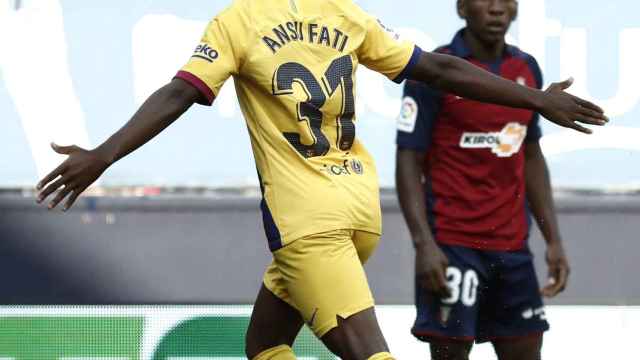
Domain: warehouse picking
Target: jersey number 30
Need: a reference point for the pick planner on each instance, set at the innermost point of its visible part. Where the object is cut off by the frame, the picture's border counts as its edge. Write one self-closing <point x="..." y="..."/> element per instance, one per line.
<point x="339" y="74"/>
<point x="463" y="288"/>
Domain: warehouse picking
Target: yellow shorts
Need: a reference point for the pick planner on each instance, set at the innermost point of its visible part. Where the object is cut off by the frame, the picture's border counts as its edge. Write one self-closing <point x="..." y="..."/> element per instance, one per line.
<point x="322" y="276"/>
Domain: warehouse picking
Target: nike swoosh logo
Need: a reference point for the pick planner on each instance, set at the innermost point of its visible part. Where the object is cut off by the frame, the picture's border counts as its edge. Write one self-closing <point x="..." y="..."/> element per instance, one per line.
<point x="313" y="317"/>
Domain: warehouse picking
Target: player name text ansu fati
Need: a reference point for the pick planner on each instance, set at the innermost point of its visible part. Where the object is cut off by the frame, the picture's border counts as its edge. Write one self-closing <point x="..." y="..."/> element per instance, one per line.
<point x="312" y="33"/>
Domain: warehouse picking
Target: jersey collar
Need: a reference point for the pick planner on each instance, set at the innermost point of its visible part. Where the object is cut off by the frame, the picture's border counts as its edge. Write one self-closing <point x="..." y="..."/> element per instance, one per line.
<point x="459" y="48"/>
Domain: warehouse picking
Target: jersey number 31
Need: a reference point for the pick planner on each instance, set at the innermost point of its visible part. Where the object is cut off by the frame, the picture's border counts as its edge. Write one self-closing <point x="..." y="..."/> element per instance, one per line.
<point x="339" y="74"/>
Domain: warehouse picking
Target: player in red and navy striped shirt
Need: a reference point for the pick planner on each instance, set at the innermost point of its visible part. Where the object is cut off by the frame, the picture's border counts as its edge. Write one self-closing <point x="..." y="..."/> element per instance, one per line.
<point x="469" y="175"/>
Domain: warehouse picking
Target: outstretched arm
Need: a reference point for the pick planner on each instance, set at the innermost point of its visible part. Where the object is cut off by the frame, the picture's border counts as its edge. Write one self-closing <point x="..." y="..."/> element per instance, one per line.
<point x="462" y="78"/>
<point x="82" y="167"/>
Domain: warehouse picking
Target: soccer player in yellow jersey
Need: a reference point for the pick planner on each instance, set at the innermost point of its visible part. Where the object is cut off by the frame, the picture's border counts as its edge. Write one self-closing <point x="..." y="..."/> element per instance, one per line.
<point x="294" y="65"/>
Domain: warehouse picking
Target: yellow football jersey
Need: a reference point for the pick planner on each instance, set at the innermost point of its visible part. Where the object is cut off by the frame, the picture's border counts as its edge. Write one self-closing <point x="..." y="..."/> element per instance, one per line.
<point x="294" y="64"/>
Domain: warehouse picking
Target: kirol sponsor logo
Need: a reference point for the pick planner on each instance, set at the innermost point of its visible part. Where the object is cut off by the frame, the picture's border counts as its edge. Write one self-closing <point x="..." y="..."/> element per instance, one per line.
<point x="504" y="143"/>
<point x="205" y="52"/>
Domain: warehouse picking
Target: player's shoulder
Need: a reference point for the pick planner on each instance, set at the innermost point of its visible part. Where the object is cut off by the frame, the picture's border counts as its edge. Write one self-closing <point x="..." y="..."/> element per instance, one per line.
<point x="522" y="55"/>
<point x="346" y="7"/>
<point x="236" y="9"/>
<point x="419" y="87"/>
<point x="443" y="49"/>
<point x="252" y="10"/>
<point x="349" y="11"/>
<point x="528" y="59"/>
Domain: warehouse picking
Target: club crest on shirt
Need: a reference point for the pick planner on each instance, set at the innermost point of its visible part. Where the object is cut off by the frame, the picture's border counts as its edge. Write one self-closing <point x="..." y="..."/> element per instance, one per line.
<point x="408" y="115"/>
<point x="357" y="167"/>
<point x="205" y="52"/>
<point x="504" y="143"/>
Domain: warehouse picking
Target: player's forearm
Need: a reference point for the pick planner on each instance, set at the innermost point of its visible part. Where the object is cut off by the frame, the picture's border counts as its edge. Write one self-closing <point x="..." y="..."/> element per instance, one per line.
<point x="411" y="196"/>
<point x="458" y="76"/>
<point x="540" y="195"/>
<point x="159" y="111"/>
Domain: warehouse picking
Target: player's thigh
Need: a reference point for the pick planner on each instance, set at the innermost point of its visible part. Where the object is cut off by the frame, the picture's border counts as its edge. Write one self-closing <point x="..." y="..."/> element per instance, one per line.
<point x="514" y="308"/>
<point x="455" y="318"/>
<point x="273" y="323"/>
<point x="358" y="336"/>
<point x="326" y="282"/>
<point x="443" y="349"/>
<point x="523" y="348"/>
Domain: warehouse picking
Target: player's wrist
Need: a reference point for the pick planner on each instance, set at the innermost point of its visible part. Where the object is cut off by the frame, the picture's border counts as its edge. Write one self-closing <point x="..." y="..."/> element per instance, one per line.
<point x="554" y="242"/>
<point x="103" y="153"/>
<point x="424" y="242"/>
<point x="538" y="100"/>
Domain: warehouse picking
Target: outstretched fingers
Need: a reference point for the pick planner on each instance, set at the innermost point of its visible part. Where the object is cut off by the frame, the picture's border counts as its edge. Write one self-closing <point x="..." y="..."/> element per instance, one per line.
<point x="61" y="195"/>
<point x="589" y="115"/>
<point x="575" y="126"/>
<point x="72" y="199"/>
<point x="51" y="188"/>
<point x="591" y="106"/>
<point x="52" y="176"/>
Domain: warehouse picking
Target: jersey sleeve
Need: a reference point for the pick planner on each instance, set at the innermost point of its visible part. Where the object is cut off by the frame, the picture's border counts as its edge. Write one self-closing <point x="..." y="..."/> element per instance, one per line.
<point x="534" y="132"/>
<point x="420" y="108"/>
<point x="218" y="55"/>
<point x="383" y="51"/>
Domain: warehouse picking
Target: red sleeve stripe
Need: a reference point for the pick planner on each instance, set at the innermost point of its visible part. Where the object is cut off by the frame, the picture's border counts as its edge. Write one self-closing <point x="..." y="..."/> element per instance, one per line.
<point x="195" y="81"/>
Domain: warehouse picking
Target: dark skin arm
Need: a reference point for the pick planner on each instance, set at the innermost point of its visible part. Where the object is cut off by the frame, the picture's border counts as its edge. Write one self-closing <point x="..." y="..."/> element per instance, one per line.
<point x="448" y="73"/>
<point x="82" y="167"/>
<point x="540" y="197"/>
<point x="457" y="76"/>
<point x="431" y="263"/>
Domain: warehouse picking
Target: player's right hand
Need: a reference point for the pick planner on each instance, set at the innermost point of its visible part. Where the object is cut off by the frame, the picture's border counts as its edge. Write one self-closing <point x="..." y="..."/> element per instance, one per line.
<point x="431" y="270"/>
<point x="80" y="169"/>
<point x="567" y="110"/>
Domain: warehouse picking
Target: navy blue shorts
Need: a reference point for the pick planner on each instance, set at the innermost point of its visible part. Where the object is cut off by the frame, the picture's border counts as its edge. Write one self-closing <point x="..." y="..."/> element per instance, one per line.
<point x="494" y="295"/>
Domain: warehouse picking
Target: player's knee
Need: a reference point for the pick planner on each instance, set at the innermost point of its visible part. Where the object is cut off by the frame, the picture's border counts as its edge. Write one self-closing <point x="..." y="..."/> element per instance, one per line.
<point x="357" y="337"/>
<point x="525" y="348"/>
<point x="256" y="345"/>
<point x="450" y="350"/>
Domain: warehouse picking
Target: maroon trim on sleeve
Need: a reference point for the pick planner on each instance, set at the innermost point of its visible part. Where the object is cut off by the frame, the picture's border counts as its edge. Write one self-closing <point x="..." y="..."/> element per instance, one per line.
<point x="195" y="81"/>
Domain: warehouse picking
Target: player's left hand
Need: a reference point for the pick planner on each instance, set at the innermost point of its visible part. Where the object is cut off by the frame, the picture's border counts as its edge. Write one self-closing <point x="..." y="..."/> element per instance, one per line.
<point x="558" y="270"/>
<point x="568" y="111"/>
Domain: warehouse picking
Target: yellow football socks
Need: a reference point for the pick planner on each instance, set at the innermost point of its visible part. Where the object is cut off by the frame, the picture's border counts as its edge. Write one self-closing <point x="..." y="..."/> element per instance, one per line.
<point x="282" y="352"/>
<point x="381" y="356"/>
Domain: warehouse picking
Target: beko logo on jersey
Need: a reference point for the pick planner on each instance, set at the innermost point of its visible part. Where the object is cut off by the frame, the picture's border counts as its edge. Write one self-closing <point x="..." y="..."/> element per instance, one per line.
<point x="205" y="52"/>
<point x="504" y="143"/>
